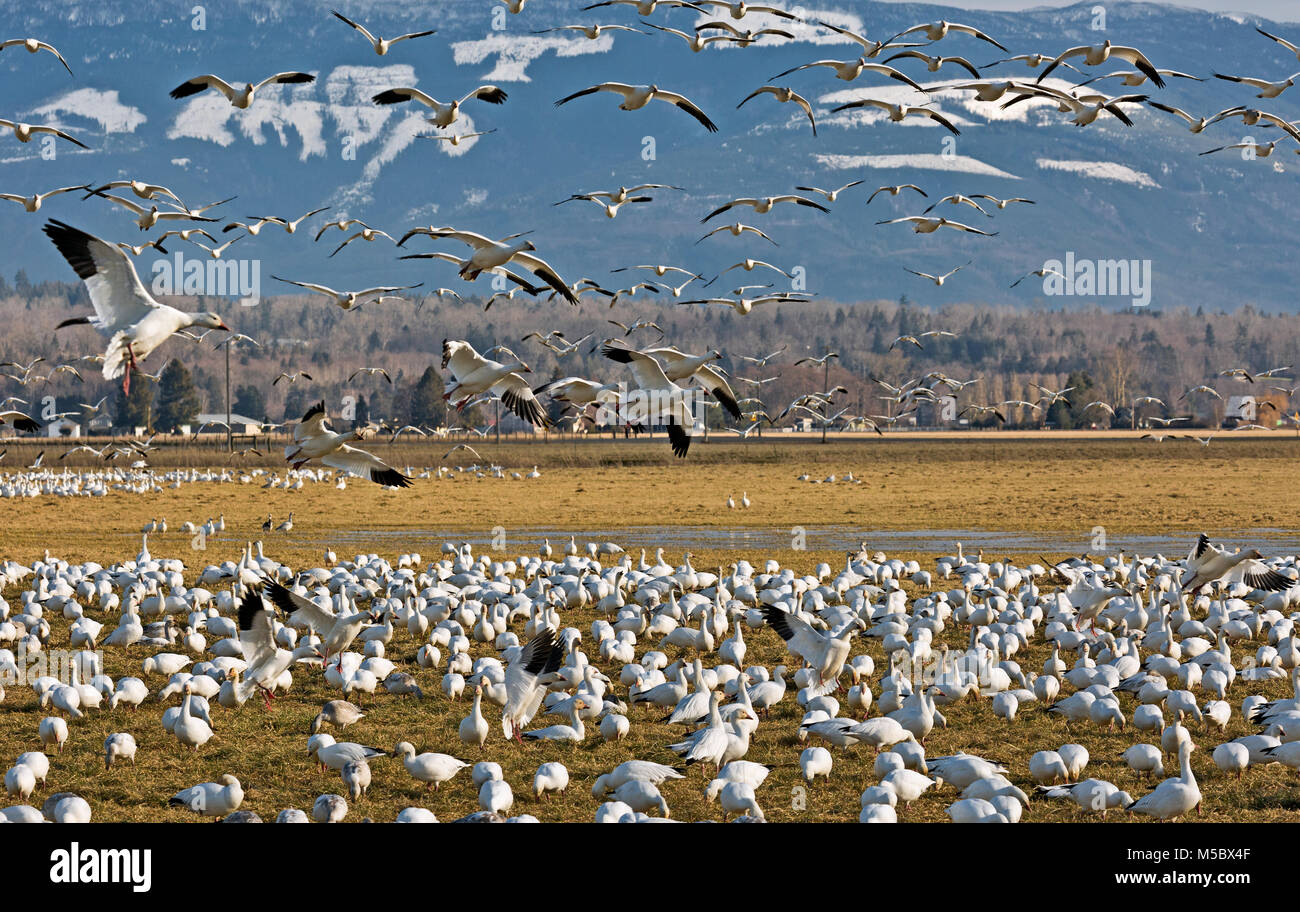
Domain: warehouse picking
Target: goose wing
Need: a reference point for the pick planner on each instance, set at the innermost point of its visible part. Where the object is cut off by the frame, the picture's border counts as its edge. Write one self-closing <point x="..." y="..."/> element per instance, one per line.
<point x="116" y="293"/>
<point x="366" y="465"/>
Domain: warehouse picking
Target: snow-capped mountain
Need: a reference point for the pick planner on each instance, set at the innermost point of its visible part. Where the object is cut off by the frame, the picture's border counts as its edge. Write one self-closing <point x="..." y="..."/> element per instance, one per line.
<point x="1218" y="230"/>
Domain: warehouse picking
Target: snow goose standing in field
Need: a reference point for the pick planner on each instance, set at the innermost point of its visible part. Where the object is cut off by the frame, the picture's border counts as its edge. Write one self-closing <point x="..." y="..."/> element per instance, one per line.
<point x="211" y="799"/>
<point x="329" y="809"/>
<point x="825" y="653"/>
<point x="651" y="379"/>
<point x="124" y="309"/>
<point x="1174" y="797"/>
<point x="240" y="98"/>
<point x="190" y="730"/>
<point x="637" y="97"/>
<point x="474" y="727"/>
<point x="550" y="777"/>
<point x="336" y="754"/>
<point x="575" y="731"/>
<point x="473" y="374"/>
<point x="430" y="768"/>
<point x="382" y="45"/>
<point x="312" y="439"/>
<point x="119" y="746"/>
<point x="444" y="113"/>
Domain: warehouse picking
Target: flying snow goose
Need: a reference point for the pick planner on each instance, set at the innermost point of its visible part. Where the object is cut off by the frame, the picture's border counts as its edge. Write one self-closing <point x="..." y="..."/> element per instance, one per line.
<point x="444" y="113"/>
<point x="824" y="652"/>
<point x="831" y="195"/>
<point x="123" y="307"/>
<point x="1137" y="77"/>
<point x="1097" y="54"/>
<point x="1207" y="563"/>
<point x="314" y="440"/>
<point x="957" y="199"/>
<point x="681" y="366"/>
<point x="939" y="279"/>
<point x="899" y="112"/>
<point x="1086" y="108"/>
<point x="349" y="300"/>
<point x="765" y="205"/>
<point x="365" y="234"/>
<point x="737" y="230"/>
<point x="20" y="422"/>
<point x="637" y="97"/>
<point x="895" y="190"/>
<point x="740" y="8"/>
<point x="849" y="70"/>
<point x="264" y="661"/>
<point x="696" y="41"/>
<point x="490" y="255"/>
<point x="240" y="98"/>
<point x="923" y="225"/>
<point x="933" y="63"/>
<point x="473" y="374"/>
<point x="590" y="32"/>
<point x="25" y="132"/>
<point x="337" y="631"/>
<point x="526" y="680"/>
<point x="643" y="7"/>
<point x="33" y="203"/>
<point x="33" y="45"/>
<point x="744" y="37"/>
<point x="382" y="45"/>
<point x="786" y="94"/>
<point x="650" y="379"/>
<point x="937" y="31"/>
<point x="1294" y="49"/>
<point x="148" y="218"/>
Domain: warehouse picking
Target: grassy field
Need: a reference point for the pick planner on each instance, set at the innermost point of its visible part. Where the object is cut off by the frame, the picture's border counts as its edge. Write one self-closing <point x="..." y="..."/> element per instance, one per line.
<point x="1063" y="486"/>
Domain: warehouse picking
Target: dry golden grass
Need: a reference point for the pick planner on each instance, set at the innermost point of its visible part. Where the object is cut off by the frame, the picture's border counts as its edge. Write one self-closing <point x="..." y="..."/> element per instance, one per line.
<point x="1022" y="485"/>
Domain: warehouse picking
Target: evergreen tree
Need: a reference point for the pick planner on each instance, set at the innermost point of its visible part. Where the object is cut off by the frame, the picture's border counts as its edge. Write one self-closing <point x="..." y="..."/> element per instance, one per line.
<point x="178" y="400"/>
<point x="295" y="404"/>
<point x="426" y="404"/>
<point x="134" y="411"/>
<point x="249" y="402"/>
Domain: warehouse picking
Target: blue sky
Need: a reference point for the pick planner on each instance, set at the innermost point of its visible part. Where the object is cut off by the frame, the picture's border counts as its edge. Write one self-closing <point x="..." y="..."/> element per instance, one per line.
<point x="1281" y="10"/>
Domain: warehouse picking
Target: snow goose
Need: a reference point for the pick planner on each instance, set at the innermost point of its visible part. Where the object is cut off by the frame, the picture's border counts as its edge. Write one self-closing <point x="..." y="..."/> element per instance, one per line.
<point x="473" y="374"/>
<point x="20" y="782"/>
<point x="1091" y="795"/>
<point x="124" y="309"/>
<point x="211" y="799"/>
<point x="329" y="809"/>
<point x="335" y="755"/>
<point x="382" y="45"/>
<point x="1145" y="758"/>
<point x="474" y="728"/>
<point x="37" y="762"/>
<point x="814" y="762"/>
<point x="654" y="384"/>
<point x="1174" y="797"/>
<point x="637" y="97"/>
<point x="339" y="713"/>
<point x="764" y="205"/>
<point x="33" y="203"/>
<point x="496" y="797"/>
<point x="240" y="98"/>
<point x="119" y="746"/>
<point x="35" y="45"/>
<point x="53" y="730"/>
<point x="1208" y="563"/>
<point x="550" y="777"/>
<point x="928" y="225"/>
<point x="937" y="31"/>
<point x="444" y="113"/>
<point x="590" y="32"/>
<point x="849" y="70"/>
<point x="1232" y="757"/>
<point x="527" y="678"/>
<point x="975" y="810"/>
<point x="351" y="300"/>
<point x="430" y="768"/>
<point x="899" y="112"/>
<point x="642" y="796"/>
<point x="1097" y="54"/>
<point x="264" y="661"/>
<point x="190" y="730"/>
<point x="575" y="731"/>
<point x="25" y="131"/>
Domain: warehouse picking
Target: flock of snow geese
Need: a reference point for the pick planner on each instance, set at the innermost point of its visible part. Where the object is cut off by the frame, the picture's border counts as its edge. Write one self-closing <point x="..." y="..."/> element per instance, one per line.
<point x="135" y="324"/>
<point x="1164" y="649"/>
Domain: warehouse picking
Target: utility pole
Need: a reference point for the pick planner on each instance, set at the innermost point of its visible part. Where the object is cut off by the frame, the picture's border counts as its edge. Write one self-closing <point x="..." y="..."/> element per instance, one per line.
<point x="230" y="441"/>
<point x="498" y="421"/>
<point x="826" y="385"/>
